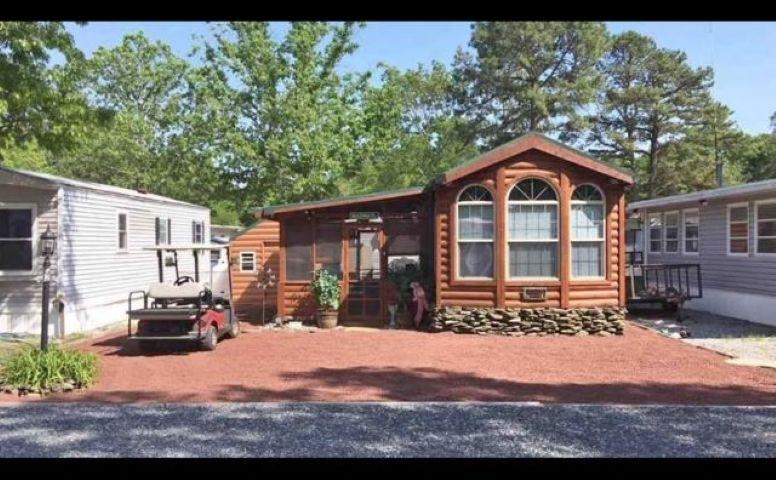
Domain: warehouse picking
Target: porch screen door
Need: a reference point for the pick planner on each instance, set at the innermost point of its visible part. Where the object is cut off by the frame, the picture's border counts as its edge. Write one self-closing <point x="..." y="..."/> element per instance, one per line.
<point x="364" y="299"/>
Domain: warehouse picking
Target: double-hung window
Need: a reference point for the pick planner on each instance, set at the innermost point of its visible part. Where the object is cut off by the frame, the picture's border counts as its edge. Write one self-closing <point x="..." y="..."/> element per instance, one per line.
<point x="655" y="223"/>
<point x="532" y="226"/>
<point x="122" y="226"/>
<point x="691" y="231"/>
<point x="163" y="231"/>
<point x="587" y="232"/>
<point x="671" y="232"/>
<point x="738" y="229"/>
<point x="475" y="233"/>
<point x="16" y="240"/>
<point x="765" y="234"/>
<point x="247" y="262"/>
<point x="197" y="232"/>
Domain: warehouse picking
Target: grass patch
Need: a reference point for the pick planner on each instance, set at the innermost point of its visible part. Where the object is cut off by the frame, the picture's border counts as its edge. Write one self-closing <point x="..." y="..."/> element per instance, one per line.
<point x="31" y="369"/>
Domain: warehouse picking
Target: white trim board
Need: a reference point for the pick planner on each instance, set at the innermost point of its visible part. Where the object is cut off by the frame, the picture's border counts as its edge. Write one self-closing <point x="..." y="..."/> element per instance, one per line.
<point x="745" y="306"/>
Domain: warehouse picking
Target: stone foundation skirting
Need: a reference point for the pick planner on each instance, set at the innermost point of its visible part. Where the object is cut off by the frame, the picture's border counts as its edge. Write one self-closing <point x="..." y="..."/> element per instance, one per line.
<point x="517" y="322"/>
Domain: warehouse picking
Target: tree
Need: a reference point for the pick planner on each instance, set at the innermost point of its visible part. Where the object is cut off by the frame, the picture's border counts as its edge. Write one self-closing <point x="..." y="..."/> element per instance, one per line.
<point x="528" y="76"/>
<point x="287" y="121"/>
<point x="651" y="97"/>
<point x="142" y="89"/>
<point x="410" y="133"/>
<point x="40" y="104"/>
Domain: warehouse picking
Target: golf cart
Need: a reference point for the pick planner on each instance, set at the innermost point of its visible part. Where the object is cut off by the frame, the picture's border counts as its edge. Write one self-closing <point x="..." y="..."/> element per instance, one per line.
<point x="185" y="309"/>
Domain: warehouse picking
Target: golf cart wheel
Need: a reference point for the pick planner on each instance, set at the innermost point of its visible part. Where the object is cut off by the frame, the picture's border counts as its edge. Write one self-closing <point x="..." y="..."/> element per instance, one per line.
<point x="211" y="339"/>
<point x="234" y="329"/>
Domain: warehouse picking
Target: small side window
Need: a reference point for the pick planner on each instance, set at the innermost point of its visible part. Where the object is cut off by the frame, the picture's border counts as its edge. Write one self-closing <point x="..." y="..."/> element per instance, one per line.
<point x="247" y="262"/>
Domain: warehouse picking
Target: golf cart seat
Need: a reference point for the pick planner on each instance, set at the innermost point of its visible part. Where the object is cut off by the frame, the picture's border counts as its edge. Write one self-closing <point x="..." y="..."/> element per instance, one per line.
<point x="167" y="291"/>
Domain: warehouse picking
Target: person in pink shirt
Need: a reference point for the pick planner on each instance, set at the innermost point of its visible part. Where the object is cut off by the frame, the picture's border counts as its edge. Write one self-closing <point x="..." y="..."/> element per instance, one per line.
<point x="419" y="305"/>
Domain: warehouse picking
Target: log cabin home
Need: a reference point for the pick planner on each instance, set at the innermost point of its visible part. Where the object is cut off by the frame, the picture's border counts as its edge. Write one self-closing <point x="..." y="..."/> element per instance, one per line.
<point x="532" y="224"/>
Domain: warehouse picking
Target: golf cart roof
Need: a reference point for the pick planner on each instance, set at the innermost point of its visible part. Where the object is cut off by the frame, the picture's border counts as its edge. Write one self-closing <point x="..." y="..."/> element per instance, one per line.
<point x="186" y="247"/>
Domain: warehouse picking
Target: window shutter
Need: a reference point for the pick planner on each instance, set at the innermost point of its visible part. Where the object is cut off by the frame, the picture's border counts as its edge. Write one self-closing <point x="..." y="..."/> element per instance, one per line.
<point x="157" y="230"/>
<point x="169" y="231"/>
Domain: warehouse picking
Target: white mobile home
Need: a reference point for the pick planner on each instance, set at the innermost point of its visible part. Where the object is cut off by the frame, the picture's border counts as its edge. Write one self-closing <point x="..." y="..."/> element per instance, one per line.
<point x="101" y="231"/>
<point x="731" y="233"/>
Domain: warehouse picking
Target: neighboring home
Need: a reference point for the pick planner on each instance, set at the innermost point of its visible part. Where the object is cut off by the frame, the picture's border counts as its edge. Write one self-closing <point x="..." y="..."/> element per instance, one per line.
<point x="532" y="223"/>
<point x="731" y="233"/>
<point x="253" y="252"/>
<point x="225" y="232"/>
<point x="101" y="232"/>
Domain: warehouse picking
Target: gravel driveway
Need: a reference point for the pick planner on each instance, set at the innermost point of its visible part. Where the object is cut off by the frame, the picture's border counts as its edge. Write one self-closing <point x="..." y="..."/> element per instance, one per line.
<point x="384" y="430"/>
<point x="747" y="342"/>
<point x="639" y="367"/>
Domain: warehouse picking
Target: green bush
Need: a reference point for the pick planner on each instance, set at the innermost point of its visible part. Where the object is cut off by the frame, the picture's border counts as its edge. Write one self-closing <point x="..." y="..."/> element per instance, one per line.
<point x="326" y="289"/>
<point x="32" y="368"/>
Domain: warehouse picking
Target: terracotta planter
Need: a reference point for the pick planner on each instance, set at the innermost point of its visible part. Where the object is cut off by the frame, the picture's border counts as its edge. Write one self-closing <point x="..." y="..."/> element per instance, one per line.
<point x="327" y="318"/>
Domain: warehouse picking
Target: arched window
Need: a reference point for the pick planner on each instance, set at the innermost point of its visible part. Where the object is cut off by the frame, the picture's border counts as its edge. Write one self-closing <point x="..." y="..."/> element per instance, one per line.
<point x="587" y="232"/>
<point x="532" y="220"/>
<point x="475" y="233"/>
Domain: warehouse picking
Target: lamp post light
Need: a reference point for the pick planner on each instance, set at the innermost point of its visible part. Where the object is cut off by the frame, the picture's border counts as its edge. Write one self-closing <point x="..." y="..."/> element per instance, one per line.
<point x="266" y="280"/>
<point x="47" y="248"/>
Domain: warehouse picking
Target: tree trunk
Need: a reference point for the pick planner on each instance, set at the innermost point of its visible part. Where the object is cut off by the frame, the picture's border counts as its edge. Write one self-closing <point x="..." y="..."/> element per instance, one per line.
<point x="653" y="161"/>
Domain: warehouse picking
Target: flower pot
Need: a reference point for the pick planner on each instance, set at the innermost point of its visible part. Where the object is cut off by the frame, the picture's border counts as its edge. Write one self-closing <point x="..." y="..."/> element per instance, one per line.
<point x="327" y="318"/>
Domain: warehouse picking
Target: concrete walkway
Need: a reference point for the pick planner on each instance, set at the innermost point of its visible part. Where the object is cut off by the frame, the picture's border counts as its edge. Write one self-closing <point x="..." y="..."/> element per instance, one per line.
<point x="384" y="430"/>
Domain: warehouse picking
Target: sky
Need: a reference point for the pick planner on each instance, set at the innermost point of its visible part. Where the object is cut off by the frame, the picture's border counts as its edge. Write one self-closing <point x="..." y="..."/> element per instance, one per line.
<point x="742" y="53"/>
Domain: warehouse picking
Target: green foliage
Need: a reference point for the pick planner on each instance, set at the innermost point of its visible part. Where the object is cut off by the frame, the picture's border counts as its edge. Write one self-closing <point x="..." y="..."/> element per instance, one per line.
<point x="39" y="104"/>
<point x="527" y="76"/>
<point x="757" y="157"/>
<point x="33" y="368"/>
<point x="650" y="100"/>
<point x="326" y="289"/>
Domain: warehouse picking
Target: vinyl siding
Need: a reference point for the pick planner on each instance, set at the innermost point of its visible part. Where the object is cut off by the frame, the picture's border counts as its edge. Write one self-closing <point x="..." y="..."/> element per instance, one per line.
<point x="93" y="270"/>
<point x="749" y="273"/>
<point x="20" y="294"/>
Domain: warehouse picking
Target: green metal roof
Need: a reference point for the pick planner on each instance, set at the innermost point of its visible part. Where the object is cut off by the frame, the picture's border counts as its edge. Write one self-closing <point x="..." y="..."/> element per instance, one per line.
<point x="330" y="202"/>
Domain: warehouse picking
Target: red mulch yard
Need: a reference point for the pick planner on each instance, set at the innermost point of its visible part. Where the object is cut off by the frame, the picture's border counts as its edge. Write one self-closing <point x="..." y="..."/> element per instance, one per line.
<point x="637" y="368"/>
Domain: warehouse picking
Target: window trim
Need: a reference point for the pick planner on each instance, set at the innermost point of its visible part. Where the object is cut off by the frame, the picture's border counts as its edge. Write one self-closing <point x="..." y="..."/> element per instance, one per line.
<point x="601" y="240"/>
<point x="684" y="231"/>
<point x="492" y="241"/>
<point x="168" y="228"/>
<point x="253" y="256"/>
<point x="728" y="238"/>
<point x="678" y="232"/>
<point x="757" y="236"/>
<point x="194" y="224"/>
<point x="556" y="240"/>
<point x="33" y="207"/>
<point x="120" y="212"/>
<point x="649" y="232"/>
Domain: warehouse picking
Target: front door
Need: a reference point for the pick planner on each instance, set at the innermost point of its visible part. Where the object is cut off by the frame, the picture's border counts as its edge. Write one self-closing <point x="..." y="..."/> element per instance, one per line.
<point x="364" y="275"/>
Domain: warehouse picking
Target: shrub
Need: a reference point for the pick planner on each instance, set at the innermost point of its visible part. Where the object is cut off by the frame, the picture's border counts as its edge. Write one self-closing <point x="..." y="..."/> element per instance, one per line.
<point x="32" y="368"/>
<point x="326" y="289"/>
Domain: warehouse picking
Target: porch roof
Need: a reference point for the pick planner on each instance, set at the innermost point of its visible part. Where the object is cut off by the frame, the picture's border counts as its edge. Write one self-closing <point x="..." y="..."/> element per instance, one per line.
<point x="269" y="212"/>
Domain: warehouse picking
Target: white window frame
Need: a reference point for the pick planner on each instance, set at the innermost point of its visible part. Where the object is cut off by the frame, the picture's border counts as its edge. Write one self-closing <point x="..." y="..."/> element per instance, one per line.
<point x="649" y="232"/>
<point x="601" y="240"/>
<point x="118" y="242"/>
<point x="201" y="224"/>
<point x="253" y="261"/>
<point x="678" y="227"/>
<point x="458" y="242"/>
<point x="728" y="238"/>
<point x="757" y="236"/>
<point x="696" y="212"/>
<point x="167" y="222"/>
<point x="34" y="232"/>
<point x="556" y="241"/>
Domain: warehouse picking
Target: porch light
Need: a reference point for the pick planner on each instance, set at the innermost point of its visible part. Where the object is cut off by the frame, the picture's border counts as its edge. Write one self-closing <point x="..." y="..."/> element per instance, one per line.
<point x="48" y="242"/>
<point x="704" y="202"/>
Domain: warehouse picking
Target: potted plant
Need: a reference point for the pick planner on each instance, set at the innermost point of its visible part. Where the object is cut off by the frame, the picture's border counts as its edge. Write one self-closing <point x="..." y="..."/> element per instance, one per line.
<point x="326" y="289"/>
